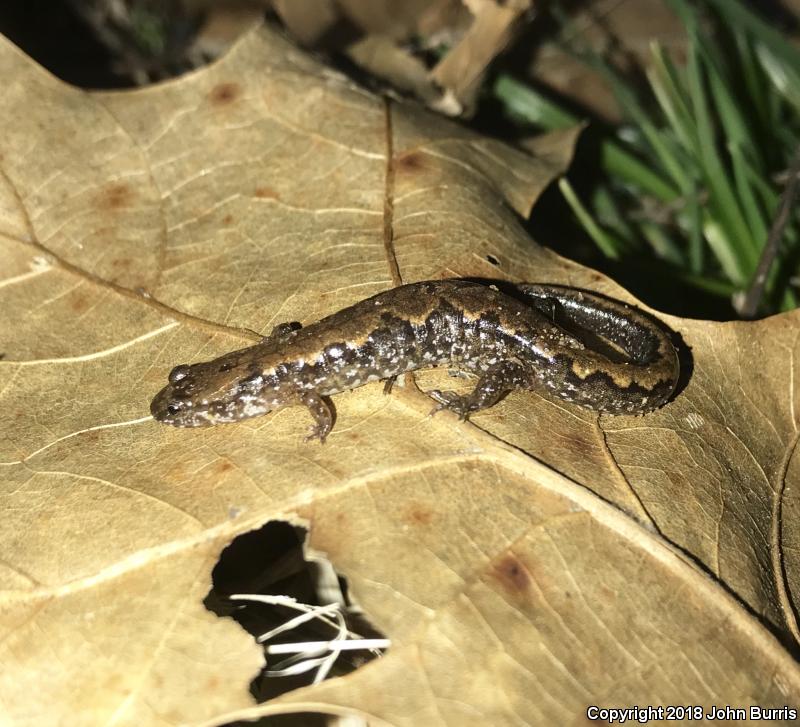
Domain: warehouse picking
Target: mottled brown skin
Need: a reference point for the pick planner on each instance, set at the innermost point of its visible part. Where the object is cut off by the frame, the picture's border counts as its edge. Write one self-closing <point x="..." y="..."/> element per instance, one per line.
<point x="509" y="342"/>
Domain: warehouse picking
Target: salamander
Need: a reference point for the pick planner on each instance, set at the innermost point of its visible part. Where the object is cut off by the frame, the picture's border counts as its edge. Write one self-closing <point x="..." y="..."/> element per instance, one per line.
<point x="580" y="347"/>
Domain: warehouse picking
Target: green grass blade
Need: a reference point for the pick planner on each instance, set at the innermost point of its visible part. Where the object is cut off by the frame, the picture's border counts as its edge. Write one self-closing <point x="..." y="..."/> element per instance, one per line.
<point x="663" y="79"/>
<point x="693" y="222"/>
<point x="718" y="242"/>
<point x="534" y="108"/>
<point x="666" y="152"/>
<point x="662" y="245"/>
<point x="606" y="242"/>
<point x="730" y="223"/>
<point x="609" y="215"/>
<point x="617" y="162"/>
<point x="742" y="174"/>
<point x="738" y="15"/>
<point x="530" y="105"/>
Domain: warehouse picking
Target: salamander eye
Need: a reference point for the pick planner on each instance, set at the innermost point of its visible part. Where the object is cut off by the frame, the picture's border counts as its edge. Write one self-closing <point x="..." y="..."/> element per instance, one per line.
<point x="178" y="373"/>
<point x="172" y="410"/>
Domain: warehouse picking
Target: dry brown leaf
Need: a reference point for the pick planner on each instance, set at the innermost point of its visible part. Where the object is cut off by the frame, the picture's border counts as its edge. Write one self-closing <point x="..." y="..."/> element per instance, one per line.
<point x="475" y="32"/>
<point x="394" y="64"/>
<point x="526" y="564"/>
<point x="462" y="70"/>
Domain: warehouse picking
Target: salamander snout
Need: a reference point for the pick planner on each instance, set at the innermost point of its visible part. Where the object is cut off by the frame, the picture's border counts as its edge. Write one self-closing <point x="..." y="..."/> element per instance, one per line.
<point x="172" y="406"/>
<point x="204" y="394"/>
<point x="178" y="402"/>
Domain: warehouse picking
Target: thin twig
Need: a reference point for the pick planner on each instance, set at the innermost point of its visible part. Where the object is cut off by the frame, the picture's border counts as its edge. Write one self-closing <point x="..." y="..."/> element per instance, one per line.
<point x="749" y="305"/>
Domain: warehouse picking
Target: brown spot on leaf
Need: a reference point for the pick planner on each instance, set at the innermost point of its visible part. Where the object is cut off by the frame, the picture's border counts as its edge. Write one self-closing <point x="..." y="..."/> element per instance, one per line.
<point x="266" y="193"/>
<point x="223" y="466"/>
<point x="180" y="472"/>
<point x="411" y="162"/>
<point x="212" y="683"/>
<point x="78" y="303"/>
<point x="225" y="93"/>
<point x="115" y="196"/>
<point x="419" y="515"/>
<point x="512" y="574"/>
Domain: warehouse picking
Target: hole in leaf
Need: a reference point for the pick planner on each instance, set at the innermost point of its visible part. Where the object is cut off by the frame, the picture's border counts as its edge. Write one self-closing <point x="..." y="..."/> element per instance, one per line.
<point x="493" y="260"/>
<point x="297" y="606"/>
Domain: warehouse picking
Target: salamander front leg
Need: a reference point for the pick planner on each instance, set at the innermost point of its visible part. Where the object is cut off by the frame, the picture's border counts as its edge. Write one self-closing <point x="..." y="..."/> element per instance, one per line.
<point x="322" y="412"/>
<point x="493" y="385"/>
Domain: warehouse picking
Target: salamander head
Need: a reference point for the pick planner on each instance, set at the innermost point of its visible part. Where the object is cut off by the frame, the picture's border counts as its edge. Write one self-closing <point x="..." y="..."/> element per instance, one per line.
<point x="215" y="392"/>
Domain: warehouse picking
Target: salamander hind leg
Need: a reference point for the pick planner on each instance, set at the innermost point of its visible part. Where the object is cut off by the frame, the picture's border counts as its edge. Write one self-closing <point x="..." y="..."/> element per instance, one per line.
<point x="493" y="385"/>
<point x="322" y="412"/>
